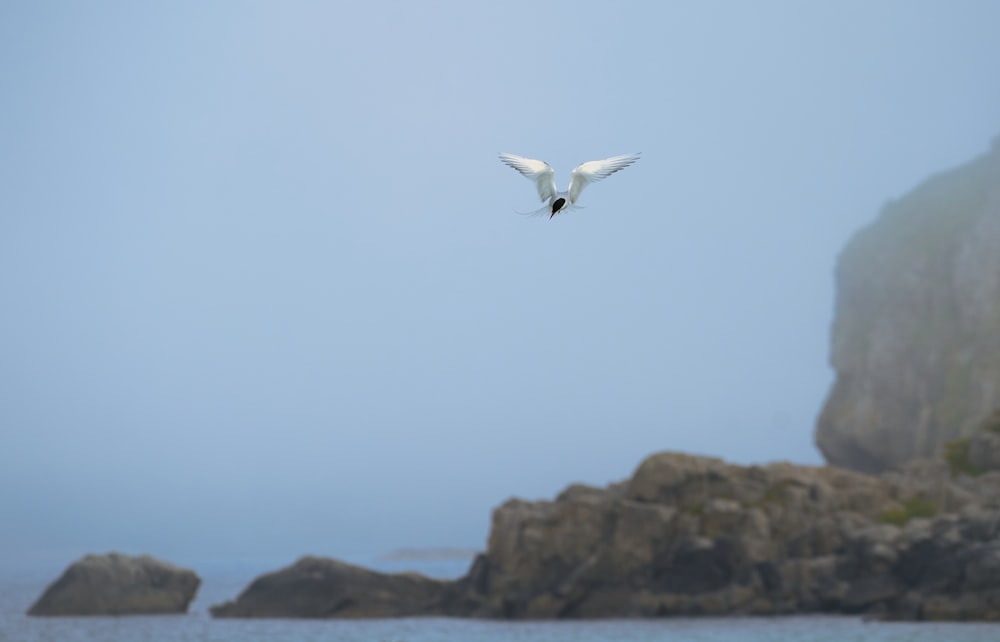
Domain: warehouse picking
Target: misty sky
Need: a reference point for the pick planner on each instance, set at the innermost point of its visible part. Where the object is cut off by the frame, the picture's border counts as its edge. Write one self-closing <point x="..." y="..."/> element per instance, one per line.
<point x="264" y="292"/>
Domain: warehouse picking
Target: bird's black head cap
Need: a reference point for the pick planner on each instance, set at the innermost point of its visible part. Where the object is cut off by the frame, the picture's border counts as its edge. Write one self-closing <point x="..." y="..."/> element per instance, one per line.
<point x="557" y="205"/>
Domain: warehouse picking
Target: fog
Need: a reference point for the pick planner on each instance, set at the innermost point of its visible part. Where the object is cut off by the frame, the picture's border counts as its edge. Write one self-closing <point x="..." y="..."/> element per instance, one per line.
<point x="264" y="290"/>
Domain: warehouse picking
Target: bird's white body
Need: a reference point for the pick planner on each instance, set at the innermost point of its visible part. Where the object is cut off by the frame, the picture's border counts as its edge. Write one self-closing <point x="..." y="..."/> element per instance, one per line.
<point x="545" y="179"/>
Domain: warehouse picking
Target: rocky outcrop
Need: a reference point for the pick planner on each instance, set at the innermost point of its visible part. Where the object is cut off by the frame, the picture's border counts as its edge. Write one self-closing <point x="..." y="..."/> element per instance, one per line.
<point x="116" y="584"/>
<point x="693" y="535"/>
<point x="916" y="323"/>
<point x="316" y="587"/>
<point x="943" y="569"/>
<point x="696" y="536"/>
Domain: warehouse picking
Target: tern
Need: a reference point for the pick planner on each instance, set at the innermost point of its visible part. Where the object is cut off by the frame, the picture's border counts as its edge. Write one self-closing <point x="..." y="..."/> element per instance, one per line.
<point x="584" y="174"/>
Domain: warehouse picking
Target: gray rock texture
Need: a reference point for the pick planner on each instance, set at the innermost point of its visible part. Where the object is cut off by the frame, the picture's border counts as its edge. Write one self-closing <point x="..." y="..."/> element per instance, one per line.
<point x="696" y="536"/>
<point x="984" y="445"/>
<point x="116" y="584"/>
<point x="689" y="535"/>
<point x="316" y="587"/>
<point x="915" y="336"/>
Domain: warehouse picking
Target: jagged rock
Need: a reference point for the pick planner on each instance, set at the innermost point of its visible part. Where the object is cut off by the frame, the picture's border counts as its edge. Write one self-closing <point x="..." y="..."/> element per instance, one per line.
<point x="686" y="534"/>
<point x="317" y="587"/>
<point x="690" y="535"/>
<point x="116" y="584"/>
<point x="951" y="567"/>
<point x="916" y="323"/>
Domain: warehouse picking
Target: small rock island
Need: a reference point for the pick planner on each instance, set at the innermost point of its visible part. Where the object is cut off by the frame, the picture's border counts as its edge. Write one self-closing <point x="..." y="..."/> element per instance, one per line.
<point x="116" y="584"/>
<point x="316" y="587"/>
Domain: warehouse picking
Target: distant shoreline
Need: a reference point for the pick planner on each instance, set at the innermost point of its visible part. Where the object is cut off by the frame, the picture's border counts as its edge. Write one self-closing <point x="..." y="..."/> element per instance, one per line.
<point x="429" y="554"/>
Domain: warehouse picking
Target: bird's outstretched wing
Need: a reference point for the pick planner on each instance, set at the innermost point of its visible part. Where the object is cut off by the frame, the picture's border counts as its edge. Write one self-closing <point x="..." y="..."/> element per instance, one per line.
<point x="593" y="171"/>
<point x="535" y="170"/>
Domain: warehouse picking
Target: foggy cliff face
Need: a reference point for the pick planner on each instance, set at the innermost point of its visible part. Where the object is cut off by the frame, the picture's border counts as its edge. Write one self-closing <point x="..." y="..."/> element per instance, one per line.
<point x="917" y="320"/>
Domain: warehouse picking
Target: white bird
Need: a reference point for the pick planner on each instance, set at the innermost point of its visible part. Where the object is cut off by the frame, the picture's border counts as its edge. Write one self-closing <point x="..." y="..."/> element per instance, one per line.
<point x="545" y="179"/>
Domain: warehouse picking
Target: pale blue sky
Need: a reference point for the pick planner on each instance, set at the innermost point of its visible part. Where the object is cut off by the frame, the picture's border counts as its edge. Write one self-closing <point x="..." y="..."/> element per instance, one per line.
<point x="264" y="293"/>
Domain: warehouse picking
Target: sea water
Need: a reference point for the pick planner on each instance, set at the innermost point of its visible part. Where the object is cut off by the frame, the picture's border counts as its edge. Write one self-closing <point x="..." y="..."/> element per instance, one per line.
<point x="198" y="626"/>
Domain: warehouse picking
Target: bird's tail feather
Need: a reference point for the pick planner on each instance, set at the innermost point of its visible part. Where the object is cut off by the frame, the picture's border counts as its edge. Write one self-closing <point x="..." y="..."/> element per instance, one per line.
<point x="544" y="209"/>
<point x="547" y="209"/>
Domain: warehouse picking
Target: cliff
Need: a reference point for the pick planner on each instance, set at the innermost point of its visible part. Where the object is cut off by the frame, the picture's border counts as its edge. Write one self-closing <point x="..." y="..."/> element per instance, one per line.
<point x="917" y="318"/>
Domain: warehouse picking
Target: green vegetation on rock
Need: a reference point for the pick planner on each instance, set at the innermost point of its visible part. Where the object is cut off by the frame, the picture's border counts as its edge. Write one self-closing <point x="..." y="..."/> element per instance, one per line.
<point x="956" y="453"/>
<point x="992" y="423"/>
<point x="912" y="508"/>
